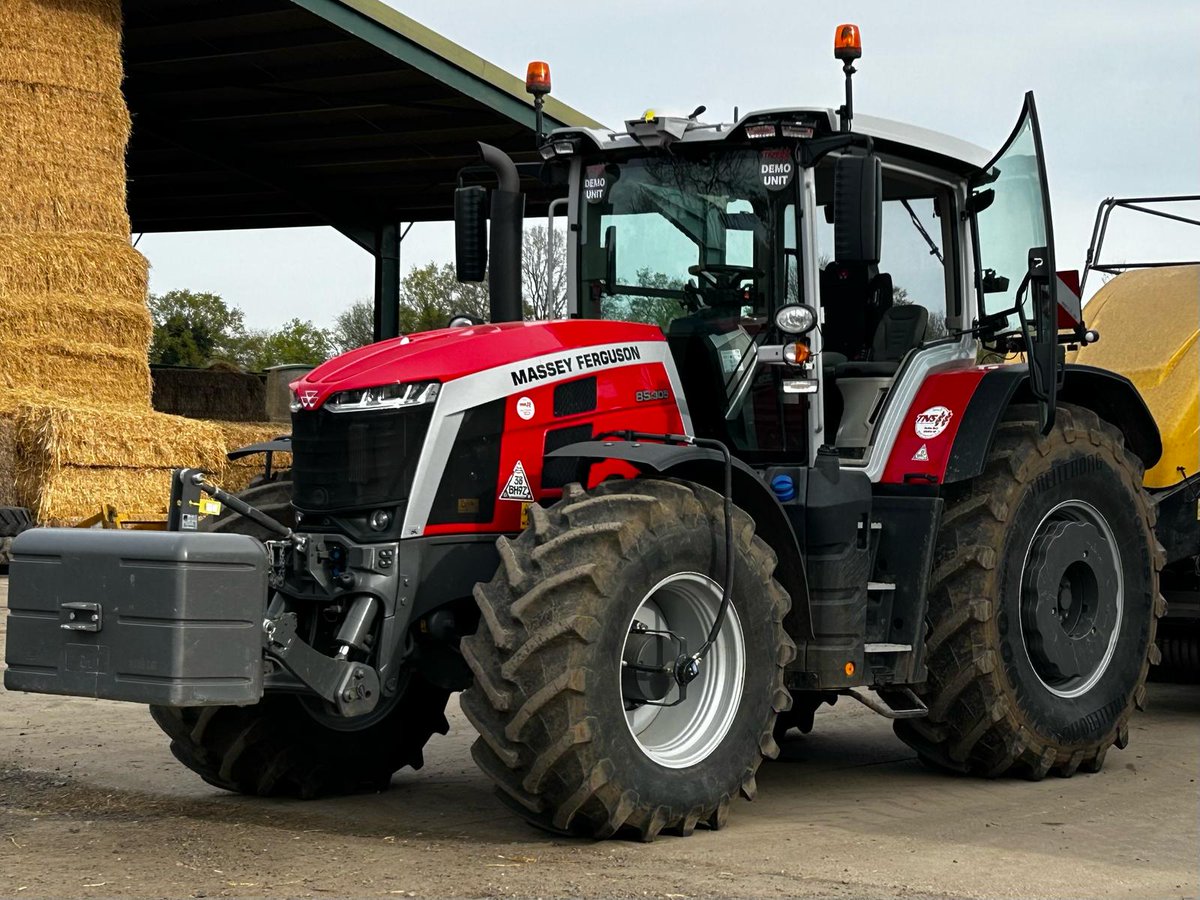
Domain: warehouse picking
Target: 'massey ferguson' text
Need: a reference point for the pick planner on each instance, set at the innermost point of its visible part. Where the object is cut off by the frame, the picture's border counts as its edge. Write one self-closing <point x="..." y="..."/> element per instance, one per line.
<point x="581" y="362"/>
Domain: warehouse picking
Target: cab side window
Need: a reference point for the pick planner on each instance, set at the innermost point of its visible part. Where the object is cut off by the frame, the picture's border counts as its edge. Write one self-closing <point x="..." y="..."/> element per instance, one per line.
<point x="911" y="270"/>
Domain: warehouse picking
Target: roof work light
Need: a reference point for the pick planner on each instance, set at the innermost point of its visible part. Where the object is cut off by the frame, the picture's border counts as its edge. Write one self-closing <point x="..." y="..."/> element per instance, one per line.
<point x="847" y="46"/>
<point x="537" y="82"/>
<point x="537" y="78"/>
<point x="847" y="43"/>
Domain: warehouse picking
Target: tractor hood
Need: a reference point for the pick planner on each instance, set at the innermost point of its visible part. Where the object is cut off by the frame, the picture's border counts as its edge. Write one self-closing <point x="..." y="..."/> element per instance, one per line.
<point x="450" y="353"/>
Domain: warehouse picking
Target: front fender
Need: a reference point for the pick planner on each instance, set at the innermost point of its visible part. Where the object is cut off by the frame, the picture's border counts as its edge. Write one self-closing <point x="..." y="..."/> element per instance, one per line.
<point x="707" y="467"/>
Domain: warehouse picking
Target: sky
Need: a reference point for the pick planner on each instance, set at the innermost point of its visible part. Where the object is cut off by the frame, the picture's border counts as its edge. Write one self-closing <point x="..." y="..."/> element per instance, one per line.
<point x="1117" y="85"/>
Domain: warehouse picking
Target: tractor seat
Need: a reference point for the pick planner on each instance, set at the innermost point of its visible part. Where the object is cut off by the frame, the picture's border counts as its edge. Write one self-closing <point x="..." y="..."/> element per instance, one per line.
<point x="901" y="329"/>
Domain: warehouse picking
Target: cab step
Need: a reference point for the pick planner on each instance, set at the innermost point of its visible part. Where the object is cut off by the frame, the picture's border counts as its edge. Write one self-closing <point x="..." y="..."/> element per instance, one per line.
<point x="891" y="702"/>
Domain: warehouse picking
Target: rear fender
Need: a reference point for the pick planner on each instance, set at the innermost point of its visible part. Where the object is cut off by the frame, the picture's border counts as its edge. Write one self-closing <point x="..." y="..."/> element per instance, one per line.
<point x="707" y="467"/>
<point x="1111" y="396"/>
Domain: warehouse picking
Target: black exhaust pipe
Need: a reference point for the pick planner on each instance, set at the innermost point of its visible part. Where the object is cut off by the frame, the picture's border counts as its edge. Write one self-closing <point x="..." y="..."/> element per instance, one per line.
<point x="504" y="250"/>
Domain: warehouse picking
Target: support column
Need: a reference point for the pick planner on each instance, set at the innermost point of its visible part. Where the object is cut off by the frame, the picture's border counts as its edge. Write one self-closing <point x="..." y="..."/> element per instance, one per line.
<point x="387" y="280"/>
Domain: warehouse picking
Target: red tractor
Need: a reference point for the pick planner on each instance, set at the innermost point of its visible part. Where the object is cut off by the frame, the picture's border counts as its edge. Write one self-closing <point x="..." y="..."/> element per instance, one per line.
<point x="806" y="433"/>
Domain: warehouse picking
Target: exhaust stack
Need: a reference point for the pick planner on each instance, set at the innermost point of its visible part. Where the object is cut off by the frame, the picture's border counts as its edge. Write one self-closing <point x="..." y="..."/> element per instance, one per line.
<point x="504" y="250"/>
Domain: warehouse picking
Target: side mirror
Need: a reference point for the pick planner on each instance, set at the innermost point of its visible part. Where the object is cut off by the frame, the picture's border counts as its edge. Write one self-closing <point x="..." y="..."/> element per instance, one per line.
<point x="610" y="259"/>
<point x="470" y="233"/>
<point x="857" y="209"/>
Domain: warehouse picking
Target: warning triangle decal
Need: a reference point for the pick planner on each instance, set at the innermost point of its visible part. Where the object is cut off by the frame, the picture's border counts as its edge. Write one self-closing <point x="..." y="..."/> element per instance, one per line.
<point x="921" y="455"/>
<point x="517" y="486"/>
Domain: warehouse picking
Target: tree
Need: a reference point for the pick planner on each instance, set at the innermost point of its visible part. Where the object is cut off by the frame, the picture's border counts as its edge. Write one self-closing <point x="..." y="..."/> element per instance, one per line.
<point x="354" y="326"/>
<point x="297" y="342"/>
<point x="545" y="298"/>
<point x="194" y="328"/>
<point x="431" y="294"/>
<point x="936" y="328"/>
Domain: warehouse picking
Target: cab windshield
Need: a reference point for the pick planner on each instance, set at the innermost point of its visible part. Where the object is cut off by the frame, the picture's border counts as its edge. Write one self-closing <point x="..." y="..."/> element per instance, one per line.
<point x="702" y="244"/>
<point x="666" y="237"/>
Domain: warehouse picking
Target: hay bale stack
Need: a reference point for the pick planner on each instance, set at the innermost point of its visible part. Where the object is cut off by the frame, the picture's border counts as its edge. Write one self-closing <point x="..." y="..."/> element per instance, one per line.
<point x="76" y="426"/>
<point x="71" y="461"/>
<point x="72" y="289"/>
<point x="63" y="122"/>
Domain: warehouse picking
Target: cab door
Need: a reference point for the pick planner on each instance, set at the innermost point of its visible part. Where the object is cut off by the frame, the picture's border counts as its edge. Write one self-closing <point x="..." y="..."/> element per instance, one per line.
<point x="1014" y="241"/>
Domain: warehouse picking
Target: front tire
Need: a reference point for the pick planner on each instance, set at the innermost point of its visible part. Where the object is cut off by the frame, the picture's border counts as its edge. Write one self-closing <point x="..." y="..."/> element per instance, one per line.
<point x="287" y="744"/>
<point x="557" y="734"/>
<point x="1043" y="606"/>
<point x="283" y="746"/>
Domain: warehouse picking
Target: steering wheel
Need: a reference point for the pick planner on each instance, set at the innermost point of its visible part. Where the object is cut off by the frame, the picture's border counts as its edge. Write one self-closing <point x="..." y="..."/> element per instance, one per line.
<point x="723" y="276"/>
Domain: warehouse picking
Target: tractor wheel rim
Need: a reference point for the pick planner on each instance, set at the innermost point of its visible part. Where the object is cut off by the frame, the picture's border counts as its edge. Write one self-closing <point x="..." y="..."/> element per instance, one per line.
<point x="684" y="735"/>
<point x="1072" y="598"/>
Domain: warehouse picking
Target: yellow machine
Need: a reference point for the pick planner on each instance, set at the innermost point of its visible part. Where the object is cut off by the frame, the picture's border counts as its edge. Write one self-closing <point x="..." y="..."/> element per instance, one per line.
<point x="1148" y="318"/>
<point x="1149" y="325"/>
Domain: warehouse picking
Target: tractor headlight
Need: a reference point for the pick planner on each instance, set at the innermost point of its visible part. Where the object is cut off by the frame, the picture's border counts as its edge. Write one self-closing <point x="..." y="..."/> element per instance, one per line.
<point x="796" y="318"/>
<point x="385" y="396"/>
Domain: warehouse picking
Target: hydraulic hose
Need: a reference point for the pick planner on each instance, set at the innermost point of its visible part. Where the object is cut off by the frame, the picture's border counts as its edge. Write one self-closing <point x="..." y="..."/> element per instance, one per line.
<point x="688" y="667"/>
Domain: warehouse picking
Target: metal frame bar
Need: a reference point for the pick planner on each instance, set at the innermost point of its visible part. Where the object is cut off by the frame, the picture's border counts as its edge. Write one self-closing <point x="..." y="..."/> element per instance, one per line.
<point x="390" y="31"/>
<point x="1134" y="204"/>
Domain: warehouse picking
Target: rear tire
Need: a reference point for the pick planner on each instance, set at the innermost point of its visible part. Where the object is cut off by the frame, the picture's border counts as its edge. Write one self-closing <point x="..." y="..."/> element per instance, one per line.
<point x="285" y="745"/>
<point x="1002" y="696"/>
<point x="563" y="746"/>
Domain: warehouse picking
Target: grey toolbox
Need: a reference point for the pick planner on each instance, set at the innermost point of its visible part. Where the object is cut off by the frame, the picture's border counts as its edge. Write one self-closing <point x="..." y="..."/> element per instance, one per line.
<point x="169" y="618"/>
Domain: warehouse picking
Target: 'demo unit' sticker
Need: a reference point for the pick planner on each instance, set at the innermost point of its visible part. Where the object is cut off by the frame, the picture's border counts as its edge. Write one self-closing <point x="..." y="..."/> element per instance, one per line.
<point x="595" y="183"/>
<point x="776" y="168"/>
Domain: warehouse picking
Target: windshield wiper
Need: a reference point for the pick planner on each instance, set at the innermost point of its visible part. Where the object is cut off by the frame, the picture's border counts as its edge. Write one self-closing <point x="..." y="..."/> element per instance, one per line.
<point x="933" y="248"/>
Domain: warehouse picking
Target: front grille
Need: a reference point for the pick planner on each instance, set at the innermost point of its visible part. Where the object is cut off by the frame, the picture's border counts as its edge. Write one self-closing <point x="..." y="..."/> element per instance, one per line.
<point x="351" y="460"/>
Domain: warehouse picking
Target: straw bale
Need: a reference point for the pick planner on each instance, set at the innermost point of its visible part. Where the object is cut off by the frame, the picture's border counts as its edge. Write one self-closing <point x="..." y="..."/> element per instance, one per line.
<point x="236" y="475"/>
<point x="61" y="450"/>
<point x="62" y="159"/>
<point x="70" y="495"/>
<point x="87" y="264"/>
<point x="34" y="33"/>
<point x="74" y="321"/>
<point x="99" y="436"/>
<point x="72" y="372"/>
<point x="32" y="318"/>
<point x="211" y="393"/>
<point x="8" y="484"/>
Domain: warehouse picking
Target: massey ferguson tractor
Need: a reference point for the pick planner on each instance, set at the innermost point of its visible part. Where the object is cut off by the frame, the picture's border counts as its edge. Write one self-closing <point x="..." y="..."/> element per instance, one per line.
<point x="806" y="434"/>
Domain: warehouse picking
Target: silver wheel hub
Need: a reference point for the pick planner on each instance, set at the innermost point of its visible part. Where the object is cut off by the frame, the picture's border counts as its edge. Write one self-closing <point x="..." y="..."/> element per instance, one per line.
<point x="686" y="727"/>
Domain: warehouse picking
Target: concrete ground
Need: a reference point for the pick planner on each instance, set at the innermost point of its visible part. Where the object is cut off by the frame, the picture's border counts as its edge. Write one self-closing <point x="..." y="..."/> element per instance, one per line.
<point x="92" y="804"/>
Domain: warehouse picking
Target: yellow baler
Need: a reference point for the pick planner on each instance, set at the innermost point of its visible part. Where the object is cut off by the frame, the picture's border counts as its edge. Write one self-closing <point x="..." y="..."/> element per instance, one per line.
<point x="1149" y="325"/>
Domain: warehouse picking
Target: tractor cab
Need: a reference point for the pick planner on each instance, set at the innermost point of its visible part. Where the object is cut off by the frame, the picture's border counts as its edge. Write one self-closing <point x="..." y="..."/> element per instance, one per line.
<point x="793" y="272"/>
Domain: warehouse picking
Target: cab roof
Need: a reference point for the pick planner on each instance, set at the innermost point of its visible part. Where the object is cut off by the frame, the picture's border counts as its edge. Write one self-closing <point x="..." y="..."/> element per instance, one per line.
<point x="891" y="136"/>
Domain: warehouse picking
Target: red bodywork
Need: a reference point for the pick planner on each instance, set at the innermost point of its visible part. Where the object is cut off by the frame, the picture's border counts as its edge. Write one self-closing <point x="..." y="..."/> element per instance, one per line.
<point x="926" y="435"/>
<point x="450" y="353"/>
<point x="523" y="363"/>
<point x="484" y="363"/>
